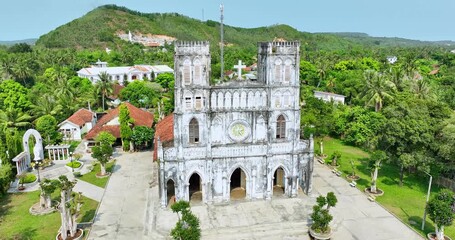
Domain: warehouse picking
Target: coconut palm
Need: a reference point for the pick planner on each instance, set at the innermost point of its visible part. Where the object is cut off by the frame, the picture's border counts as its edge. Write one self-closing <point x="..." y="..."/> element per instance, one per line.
<point x="104" y="87"/>
<point x="13" y="118"/>
<point x="377" y="89"/>
<point x="46" y="105"/>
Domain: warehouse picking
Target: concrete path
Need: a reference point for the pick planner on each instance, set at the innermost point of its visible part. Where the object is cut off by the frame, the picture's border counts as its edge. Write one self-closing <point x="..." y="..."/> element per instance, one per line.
<point x="122" y="212"/>
<point x="130" y="210"/>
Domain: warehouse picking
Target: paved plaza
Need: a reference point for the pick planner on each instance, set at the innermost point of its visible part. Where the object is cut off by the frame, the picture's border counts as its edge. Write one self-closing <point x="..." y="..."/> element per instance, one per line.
<point x="130" y="210"/>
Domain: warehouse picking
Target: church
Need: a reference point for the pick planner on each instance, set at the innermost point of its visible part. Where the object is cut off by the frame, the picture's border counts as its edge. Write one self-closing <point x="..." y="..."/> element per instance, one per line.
<point x="238" y="139"/>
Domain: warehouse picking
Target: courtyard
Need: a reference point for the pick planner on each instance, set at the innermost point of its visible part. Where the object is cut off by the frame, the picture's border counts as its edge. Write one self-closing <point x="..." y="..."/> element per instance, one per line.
<point x="130" y="209"/>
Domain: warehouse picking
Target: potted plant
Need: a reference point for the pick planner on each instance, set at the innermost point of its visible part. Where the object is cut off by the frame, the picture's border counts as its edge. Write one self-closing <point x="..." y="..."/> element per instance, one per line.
<point x="440" y="210"/>
<point x="320" y="229"/>
<point x="334" y="159"/>
<point x="22" y="177"/>
<point x="187" y="227"/>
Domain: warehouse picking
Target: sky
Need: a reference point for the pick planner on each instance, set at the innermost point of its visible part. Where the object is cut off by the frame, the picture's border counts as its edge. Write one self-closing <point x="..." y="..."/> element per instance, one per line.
<point x="413" y="19"/>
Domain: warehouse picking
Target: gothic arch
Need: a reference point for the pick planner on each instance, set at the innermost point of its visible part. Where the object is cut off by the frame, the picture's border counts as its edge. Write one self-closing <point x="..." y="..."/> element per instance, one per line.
<point x="220" y="100"/>
<point x="238" y="165"/>
<point x="194" y="171"/>
<point x="280" y="165"/>
<point x="228" y="100"/>
<point x="197" y="71"/>
<point x="194" y="131"/>
<point x="186" y="71"/>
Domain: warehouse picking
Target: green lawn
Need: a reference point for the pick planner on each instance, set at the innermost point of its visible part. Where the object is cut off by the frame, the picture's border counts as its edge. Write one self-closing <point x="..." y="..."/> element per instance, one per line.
<point x="91" y="176"/>
<point x="17" y="223"/>
<point x="406" y="202"/>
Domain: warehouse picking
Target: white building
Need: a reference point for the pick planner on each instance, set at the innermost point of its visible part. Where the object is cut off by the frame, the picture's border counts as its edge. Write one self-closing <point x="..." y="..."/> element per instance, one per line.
<point x="122" y="74"/>
<point x="329" y="97"/>
<point x="79" y="123"/>
<point x="237" y="139"/>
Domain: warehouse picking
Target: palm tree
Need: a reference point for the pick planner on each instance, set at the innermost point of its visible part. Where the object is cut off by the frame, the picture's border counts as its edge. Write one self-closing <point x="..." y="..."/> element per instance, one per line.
<point x="421" y="89"/>
<point x="46" y="105"/>
<point x="104" y="86"/>
<point x="13" y="118"/>
<point x="377" y="89"/>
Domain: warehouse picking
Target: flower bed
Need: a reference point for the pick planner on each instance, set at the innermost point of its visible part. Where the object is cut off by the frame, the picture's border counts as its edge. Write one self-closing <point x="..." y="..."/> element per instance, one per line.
<point x="74" y="164"/>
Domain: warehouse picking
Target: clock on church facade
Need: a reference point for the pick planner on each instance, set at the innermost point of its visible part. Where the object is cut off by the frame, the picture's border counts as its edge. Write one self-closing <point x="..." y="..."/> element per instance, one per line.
<point x="239" y="131"/>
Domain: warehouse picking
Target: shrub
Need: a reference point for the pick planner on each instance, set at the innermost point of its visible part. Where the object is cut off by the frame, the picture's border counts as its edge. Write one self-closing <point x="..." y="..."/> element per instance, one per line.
<point x="77" y="174"/>
<point x="28" y="178"/>
<point x="74" y="164"/>
<point x="5" y="177"/>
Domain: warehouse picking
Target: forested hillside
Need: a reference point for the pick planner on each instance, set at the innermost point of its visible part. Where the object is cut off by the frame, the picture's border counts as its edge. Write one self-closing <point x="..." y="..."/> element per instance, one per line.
<point x="98" y="29"/>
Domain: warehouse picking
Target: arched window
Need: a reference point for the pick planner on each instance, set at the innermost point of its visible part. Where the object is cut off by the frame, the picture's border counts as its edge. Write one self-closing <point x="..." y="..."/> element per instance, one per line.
<point x="287" y="71"/>
<point x="278" y="73"/>
<point x="193" y="131"/>
<point x="186" y="72"/>
<point x="197" y="75"/>
<point x="281" y="127"/>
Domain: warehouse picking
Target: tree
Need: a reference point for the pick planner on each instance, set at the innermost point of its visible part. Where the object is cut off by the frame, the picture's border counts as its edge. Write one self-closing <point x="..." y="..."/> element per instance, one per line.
<point x="142" y="136"/>
<point x="187" y="227"/>
<point x="335" y="158"/>
<point x="67" y="211"/>
<point x="165" y="80"/>
<point x="376" y="158"/>
<point x="103" y="151"/>
<point x="377" y="89"/>
<point x="125" y="128"/>
<point x="47" y="126"/>
<point x="47" y="188"/>
<point x="6" y="176"/>
<point x="140" y="94"/>
<point x="13" y="118"/>
<point x="14" y="95"/>
<point x="440" y="211"/>
<point x="104" y="87"/>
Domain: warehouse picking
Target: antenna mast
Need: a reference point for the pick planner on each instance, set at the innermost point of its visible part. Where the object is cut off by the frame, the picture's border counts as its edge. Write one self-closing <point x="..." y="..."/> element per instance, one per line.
<point x="222" y="42"/>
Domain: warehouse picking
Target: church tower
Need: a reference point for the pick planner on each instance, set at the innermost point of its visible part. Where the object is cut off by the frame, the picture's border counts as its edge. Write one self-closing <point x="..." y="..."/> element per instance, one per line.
<point x="192" y="73"/>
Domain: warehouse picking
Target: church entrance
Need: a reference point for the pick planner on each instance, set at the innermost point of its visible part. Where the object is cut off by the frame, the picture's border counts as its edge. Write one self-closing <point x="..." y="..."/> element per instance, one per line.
<point x="278" y="182"/>
<point x="238" y="184"/>
<point x="170" y="192"/>
<point x="195" y="188"/>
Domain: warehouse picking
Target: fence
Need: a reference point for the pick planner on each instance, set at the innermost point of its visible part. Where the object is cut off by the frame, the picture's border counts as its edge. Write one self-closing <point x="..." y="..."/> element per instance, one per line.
<point x="446" y="182"/>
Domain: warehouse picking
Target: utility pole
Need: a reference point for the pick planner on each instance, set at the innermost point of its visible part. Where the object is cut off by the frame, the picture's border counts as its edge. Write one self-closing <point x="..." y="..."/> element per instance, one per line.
<point x="222" y="43"/>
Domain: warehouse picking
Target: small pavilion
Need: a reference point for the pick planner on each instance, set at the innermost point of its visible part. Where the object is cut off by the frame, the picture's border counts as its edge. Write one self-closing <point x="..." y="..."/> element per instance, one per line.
<point x="58" y="152"/>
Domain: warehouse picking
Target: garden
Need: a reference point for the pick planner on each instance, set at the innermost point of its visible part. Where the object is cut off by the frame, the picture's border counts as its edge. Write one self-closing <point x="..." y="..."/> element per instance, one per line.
<point x="406" y="202"/>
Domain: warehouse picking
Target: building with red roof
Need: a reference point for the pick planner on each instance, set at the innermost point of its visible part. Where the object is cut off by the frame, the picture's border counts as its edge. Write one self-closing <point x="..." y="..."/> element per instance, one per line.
<point x="79" y="123"/>
<point x="164" y="131"/>
<point x="110" y="121"/>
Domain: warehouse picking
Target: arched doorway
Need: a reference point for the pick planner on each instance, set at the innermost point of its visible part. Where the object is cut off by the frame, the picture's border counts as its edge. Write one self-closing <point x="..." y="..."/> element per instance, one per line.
<point x="170" y="192"/>
<point x="195" y="188"/>
<point x="238" y="184"/>
<point x="278" y="182"/>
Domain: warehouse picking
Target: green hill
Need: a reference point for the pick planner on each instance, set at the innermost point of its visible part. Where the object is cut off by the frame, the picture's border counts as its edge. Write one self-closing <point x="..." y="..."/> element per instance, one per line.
<point x="99" y="29"/>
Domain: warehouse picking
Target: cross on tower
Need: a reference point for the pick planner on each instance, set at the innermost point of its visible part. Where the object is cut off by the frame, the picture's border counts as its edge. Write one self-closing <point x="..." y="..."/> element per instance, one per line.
<point x="239" y="69"/>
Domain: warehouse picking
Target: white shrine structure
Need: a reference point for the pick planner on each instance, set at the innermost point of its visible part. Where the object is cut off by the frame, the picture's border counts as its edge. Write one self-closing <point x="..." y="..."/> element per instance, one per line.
<point x="23" y="160"/>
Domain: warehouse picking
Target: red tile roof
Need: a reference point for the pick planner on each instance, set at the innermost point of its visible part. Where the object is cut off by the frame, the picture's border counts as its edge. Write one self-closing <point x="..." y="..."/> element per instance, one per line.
<point x="165" y="132"/>
<point x="116" y="88"/>
<point x="81" y="117"/>
<point x="140" y="117"/>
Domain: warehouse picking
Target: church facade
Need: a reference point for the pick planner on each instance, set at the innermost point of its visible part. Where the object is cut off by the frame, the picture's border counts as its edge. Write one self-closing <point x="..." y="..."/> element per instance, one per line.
<point x="237" y="139"/>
